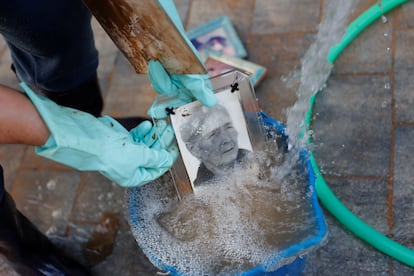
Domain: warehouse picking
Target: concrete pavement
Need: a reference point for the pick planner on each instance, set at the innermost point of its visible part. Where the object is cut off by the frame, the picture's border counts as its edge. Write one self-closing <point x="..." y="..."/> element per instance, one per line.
<point x="363" y="130"/>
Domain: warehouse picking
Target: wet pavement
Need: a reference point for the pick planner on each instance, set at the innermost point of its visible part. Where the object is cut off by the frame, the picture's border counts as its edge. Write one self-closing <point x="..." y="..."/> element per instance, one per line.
<point x="363" y="132"/>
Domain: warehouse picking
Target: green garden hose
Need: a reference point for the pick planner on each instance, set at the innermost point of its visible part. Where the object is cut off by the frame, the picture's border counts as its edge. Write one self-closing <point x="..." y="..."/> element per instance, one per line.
<point x="360" y="23"/>
<point x="357" y="226"/>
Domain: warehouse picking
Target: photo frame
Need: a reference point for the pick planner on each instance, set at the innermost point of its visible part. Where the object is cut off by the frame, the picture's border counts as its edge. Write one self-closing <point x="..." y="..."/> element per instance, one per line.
<point x="216" y="134"/>
<point x="217" y="65"/>
<point x="217" y="36"/>
<point x="240" y="86"/>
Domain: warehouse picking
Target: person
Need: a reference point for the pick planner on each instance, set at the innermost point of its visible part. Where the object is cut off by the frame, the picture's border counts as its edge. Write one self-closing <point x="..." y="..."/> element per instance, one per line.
<point x="211" y="137"/>
<point x="54" y="56"/>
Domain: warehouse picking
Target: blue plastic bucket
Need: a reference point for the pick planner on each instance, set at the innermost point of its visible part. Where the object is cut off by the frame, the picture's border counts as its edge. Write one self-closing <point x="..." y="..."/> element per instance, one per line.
<point x="290" y="261"/>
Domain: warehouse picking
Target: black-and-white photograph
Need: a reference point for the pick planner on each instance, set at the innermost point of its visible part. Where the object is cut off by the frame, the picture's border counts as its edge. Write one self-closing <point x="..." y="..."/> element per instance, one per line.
<point x="211" y="140"/>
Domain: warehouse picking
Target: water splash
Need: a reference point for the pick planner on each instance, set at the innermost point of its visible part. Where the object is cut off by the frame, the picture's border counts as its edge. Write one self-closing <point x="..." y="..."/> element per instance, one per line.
<point x="315" y="70"/>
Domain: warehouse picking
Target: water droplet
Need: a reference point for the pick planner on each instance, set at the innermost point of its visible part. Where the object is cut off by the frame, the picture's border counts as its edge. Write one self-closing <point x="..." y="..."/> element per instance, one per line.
<point x="385" y="34"/>
<point x="379" y="3"/>
<point x="384" y="104"/>
<point x="51" y="185"/>
<point x="388" y="49"/>
<point x="384" y="19"/>
<point x="387" y="86"/>
<point x="52" y="230"/>
<point x="57" y="213"/>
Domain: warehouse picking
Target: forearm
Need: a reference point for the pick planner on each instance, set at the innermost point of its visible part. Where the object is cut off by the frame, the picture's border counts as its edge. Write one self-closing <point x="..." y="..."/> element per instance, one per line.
<point x="20" y="123"/>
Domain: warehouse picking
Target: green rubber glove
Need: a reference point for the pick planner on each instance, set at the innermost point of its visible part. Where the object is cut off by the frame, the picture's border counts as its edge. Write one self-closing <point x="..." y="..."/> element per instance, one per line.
<point x="183" y="88"/>
<point x="86" y="143"/>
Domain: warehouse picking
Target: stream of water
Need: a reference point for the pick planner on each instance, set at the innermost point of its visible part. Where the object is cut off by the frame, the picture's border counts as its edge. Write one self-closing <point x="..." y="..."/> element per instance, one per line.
<point x="315" y="71"/>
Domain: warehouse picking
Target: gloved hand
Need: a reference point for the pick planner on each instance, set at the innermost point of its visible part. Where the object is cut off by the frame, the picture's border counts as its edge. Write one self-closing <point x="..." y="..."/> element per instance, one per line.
<point x="184" y="88"/>
<point x="86" y="143"/>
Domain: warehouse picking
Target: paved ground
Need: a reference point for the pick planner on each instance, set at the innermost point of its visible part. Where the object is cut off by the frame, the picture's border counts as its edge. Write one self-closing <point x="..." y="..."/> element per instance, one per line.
<point x="363" y="130"/>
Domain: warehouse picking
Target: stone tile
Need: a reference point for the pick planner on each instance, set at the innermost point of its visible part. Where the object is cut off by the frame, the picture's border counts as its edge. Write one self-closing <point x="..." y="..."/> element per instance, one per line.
<point x="370" y="52"/>
<point x="351" y="133"/>
<point x="406" y="14"/>
<point x="96" y="195"/>
<point x="283" y="16"/>
<point x="183" y="7"/>
<point x="6" y="268"/>
<point x="344" y="254"/>
<point x="130" y="94"/>
<point x="366" y="198"/>
<point x="33" y="161"/>
<point x="363" y="5"/>
<point x="403" y="190"/>
<point x="359" y="7"/>
<point x="403" y="51"/>
<point x="46" y="198"/>
<point x="278" y="53"/>
<point x="101" y="242"/>
<point x="10" y="159"/>
<point x="281" y="55"/>
<point x="239" y="12"/>
<point x="404" y="83"/>
<point x="127" y="258"/>
<point x="401" y="269"/>
<point x="275" y="97"/>
<point x="73" y="241"/>
<point x="3" y="47"/>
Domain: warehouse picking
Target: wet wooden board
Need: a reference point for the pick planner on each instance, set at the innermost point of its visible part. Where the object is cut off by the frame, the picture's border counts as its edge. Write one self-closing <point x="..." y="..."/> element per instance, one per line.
<point x="143" y="31"/>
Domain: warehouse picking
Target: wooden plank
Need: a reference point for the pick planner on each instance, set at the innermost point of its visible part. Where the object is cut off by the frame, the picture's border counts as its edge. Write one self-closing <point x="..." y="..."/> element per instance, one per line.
<point x="143" y="31"/>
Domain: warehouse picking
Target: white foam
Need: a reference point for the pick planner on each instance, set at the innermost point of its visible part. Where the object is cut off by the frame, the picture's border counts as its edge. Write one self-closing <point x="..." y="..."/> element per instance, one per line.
<point x="223" y="228"/>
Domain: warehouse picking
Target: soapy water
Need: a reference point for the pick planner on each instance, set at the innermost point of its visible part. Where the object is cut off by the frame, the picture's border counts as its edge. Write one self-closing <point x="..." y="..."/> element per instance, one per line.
<point x="234" y="225"/>
<point x="227" y="226"/>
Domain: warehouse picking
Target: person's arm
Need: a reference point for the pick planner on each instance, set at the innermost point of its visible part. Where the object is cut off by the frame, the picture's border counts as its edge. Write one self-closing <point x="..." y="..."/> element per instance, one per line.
<point x="20" y="123"/>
